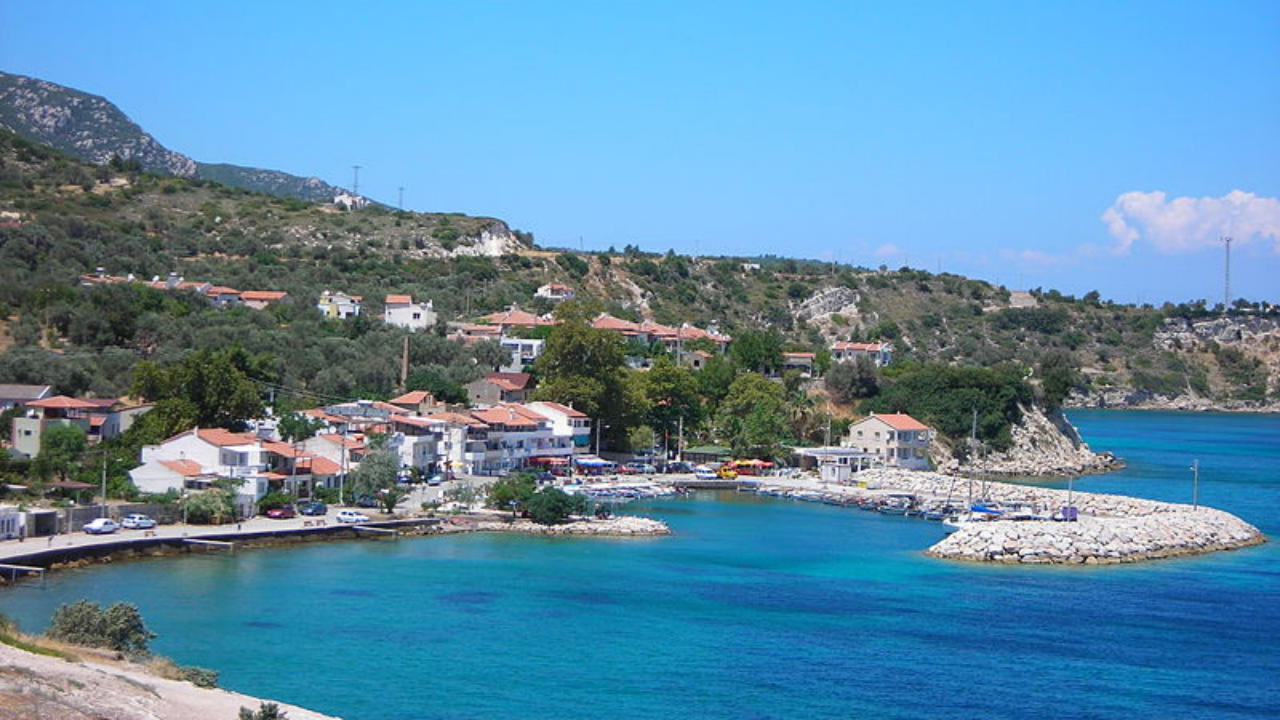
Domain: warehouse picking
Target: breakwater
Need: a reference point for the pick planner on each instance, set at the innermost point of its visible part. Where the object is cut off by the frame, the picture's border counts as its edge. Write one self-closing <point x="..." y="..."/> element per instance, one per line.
<point x="1111" y="528"/>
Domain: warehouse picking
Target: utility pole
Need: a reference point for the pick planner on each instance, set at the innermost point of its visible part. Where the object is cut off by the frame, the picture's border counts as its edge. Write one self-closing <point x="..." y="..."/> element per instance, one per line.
<point x="404" y="366"/>
<point x="1195" y="484"/>
<point x="1226" y="279"/>
<point x="355" y="182"/>
<point x="104" y="483"/>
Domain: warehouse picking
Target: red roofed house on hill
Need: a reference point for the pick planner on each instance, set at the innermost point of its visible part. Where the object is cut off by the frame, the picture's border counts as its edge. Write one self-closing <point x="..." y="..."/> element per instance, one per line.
<point x="402" y="311"/>
<point x="901" y="440"/>
<point x="100" y="418"/>
<point x="498" y="387"/>
<point x="881" y="353"/>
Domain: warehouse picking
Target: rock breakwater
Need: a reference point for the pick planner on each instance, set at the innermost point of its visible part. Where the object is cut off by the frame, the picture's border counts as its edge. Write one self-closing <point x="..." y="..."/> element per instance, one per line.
<point x="1111" y="528"/>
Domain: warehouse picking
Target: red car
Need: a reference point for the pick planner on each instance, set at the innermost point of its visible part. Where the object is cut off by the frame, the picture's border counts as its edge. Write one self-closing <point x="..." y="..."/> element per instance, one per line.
<point x="283" y="512"/>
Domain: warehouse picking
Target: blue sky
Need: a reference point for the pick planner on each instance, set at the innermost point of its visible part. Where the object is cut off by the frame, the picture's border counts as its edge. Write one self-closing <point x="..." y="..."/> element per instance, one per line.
<point x="984" y="138"/>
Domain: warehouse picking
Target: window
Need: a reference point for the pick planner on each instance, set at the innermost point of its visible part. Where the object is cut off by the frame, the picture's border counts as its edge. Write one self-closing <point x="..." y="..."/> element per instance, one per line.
<point x="417" y="316"/>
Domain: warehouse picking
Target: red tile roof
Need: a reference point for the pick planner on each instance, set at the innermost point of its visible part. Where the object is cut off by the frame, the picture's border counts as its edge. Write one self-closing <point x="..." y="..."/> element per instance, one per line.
<point x="222" y="438"/>
<point x="413" y="397"/>
<point x="513" y="316"/>
<point x="458" y="419"/>
<point x="799" y="356"/>
<point x="509" y="381"/>
<point x="901" y="421"/>
<point x="62" y="402"/>
<point x="859" y="346"/>
<point x="185" y="468"/>
<point x="322" y="466"/>
<point x="337" y="439"/>
<point x="399" y="299"/>
<point x="505" y="415"/>
<point x="608" y="322"/>
<point x="267" y="295"/>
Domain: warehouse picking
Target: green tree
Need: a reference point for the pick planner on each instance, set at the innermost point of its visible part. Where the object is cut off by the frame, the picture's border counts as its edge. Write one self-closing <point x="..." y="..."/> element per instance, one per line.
<point x="61" y="447"/>
<point x="119" y="627"/>
<point x="215" y="506"/>
<point x="517" y="489"/>
<point x="296" y="427"/>
<point x="849" y="380"/>
<point x="218" y="386"/>
<point x="265" y="711"/>
<point x="1059" y="375"/>
<point x="378" y="471"/>
<point x="585" y="368"/>
<point x="389" y="497"/>
<point x="753" y="416"/>
<point x="758" y="351"/>
<point x="553" y="506"/>
<point x="671" y="392"/>
<point x="715" y="378"/>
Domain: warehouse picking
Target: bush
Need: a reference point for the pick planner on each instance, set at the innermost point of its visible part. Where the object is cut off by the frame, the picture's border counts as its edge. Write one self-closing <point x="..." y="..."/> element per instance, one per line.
<point x="553" y="506"/>
<point x="265" y="711"/>
<point x="200" y="677"/>
<point x="274" y="499"/>
<point x="119" y="627"/>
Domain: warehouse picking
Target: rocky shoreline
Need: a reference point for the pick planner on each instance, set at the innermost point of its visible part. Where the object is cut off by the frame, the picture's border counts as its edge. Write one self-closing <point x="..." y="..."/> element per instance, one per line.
<point x="1130" y="399"/>
<point x="1112" y="528"/>
<point x="1045" y="444"/>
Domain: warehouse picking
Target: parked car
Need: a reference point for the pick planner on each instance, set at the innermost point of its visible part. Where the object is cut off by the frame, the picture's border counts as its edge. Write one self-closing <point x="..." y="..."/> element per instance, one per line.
<point x="435" y="480"/>
<point x="641" y="468"/>
<point x="284" y="512"/>
<point x="367" y="501"/>
<point x="315" y="507"/>
<point x="101" y="526"/>
<point x="351" y="516"/>
<point x="702" y="472"/>
<point x="137" y="521"/>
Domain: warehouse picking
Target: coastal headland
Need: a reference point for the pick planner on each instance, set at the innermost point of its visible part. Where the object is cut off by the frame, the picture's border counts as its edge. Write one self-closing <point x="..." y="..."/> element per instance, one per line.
<point x="1111" y="529"/>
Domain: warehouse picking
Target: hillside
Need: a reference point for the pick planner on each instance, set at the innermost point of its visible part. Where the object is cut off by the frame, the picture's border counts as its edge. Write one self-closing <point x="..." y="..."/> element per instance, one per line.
<point x="68" y="217"/>
<point x="92" y="128"/>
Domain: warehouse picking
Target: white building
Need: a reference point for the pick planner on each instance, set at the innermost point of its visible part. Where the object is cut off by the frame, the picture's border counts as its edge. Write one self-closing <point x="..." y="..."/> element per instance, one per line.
<point x="881" y="353"/>
<point x="901" y="440"/>
<point x="402" y="311"/>
<point x="555" y="291"/>
<point x="523" y="352"/>
<point x="566" y="422"/>
<point x="339" y="306"/>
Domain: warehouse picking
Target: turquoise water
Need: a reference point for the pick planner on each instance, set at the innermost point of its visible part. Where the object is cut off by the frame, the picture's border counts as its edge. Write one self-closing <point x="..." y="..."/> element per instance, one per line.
<point x="756" y="608"/>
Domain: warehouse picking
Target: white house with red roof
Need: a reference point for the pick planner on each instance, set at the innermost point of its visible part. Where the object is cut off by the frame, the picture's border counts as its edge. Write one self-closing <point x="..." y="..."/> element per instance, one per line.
<point x="100" y="418"/>
<point x="402" y="311"/>
<point x="881" y="353"/>
<point x="566" y="422"/>
<point x="192" y="460"/>
<point x="555" y="291"/>
<point x="897" y="438"/>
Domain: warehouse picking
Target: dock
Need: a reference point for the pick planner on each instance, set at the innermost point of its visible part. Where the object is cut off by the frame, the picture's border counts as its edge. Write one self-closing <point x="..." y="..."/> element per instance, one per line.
<point x="25" y="569"/>
<point x="229" y="547"/>
<point x="377" y="530"/>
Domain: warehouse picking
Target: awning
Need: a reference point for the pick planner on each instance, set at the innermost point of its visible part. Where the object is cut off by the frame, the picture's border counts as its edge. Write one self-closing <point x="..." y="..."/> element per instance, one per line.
<point x="591" y="461"/>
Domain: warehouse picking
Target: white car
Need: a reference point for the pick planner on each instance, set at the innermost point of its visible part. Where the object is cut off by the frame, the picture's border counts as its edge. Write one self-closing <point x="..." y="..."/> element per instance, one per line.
<point x="137" y="522"/>
<point x="351" y="516"/>
<point x="702" y="472"/>
<point x="101" y="526"/>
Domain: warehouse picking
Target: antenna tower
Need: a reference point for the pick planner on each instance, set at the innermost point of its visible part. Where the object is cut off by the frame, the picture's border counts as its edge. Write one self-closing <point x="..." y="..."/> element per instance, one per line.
<point x="355" y="182"/>
<point x="401" y="188"/>
<point x="1226" y="275"/>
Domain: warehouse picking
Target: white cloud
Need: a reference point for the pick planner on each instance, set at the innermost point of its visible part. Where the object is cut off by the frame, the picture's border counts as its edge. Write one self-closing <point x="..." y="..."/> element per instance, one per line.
<point x="1185" y="224"/>
<point x="888" y="250"/>
<point x="1033" y="257"/>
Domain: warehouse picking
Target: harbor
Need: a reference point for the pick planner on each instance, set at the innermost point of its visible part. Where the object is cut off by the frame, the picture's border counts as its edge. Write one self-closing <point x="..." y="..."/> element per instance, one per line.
<point x="1010" y="523"/>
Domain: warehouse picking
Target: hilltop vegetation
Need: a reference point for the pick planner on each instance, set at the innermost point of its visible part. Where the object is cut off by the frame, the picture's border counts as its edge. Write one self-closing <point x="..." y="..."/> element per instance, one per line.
<point x="71" y="217"/>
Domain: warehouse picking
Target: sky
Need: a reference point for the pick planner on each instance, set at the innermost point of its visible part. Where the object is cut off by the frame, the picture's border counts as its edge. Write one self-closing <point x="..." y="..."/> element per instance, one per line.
<point x="1076" y="146"/>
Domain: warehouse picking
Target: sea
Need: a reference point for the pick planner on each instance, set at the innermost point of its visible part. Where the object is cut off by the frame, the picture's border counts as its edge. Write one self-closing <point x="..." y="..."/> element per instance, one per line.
<point x="755" y="608"/>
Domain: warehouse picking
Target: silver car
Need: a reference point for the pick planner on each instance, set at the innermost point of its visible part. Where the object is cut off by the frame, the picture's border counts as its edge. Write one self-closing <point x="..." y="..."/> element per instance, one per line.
<point x="137" y="521"/>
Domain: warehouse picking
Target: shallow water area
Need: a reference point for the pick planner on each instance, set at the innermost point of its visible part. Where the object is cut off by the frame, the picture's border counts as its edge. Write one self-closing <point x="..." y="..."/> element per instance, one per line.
<point x="755" y="608"/>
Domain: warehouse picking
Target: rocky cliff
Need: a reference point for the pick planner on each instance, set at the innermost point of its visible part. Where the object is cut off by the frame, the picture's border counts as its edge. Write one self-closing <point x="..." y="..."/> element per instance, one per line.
<point x="92" y="128"/>
<point x="1044" y="444"/>
<point x="83" y="125"/>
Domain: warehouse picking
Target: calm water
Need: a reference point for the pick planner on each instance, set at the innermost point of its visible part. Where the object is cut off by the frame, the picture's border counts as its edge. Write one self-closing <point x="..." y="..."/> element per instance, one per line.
<point x="757" y="608"/>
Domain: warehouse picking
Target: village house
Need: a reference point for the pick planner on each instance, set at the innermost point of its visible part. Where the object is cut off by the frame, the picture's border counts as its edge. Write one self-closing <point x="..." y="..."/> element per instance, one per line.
<point x="566" y="422"/>
<point x="500" y="387"/>
<point x="260" y="299"/>
<point x="881" y="353"/>
<point x="899" y="439"/>
<point x="15" y="395"/>
<point x="192" y="460"/>
<point x="523" y="352"/>
<point x="801" y="361"/>
<point x="402" y="311"/>
<point x="555" y="291"/>
<point x="99" y="418"/>
<point x="339" y="306"/>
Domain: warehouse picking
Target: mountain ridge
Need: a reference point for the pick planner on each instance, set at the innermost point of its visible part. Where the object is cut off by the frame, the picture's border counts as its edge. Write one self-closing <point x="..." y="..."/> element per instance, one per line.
<point x="94" y="129"/>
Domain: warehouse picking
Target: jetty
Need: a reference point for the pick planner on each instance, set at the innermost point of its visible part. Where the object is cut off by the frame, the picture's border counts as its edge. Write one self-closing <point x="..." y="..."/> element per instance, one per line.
<point x="1108" y="529"/>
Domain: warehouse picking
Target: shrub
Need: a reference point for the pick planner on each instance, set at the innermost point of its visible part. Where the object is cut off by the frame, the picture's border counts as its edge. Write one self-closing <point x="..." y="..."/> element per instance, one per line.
<point x="553" y="506"/>
<point x="200" y="677"/>
<point x="119" y="627"/>
<point x="265" y="711"/>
